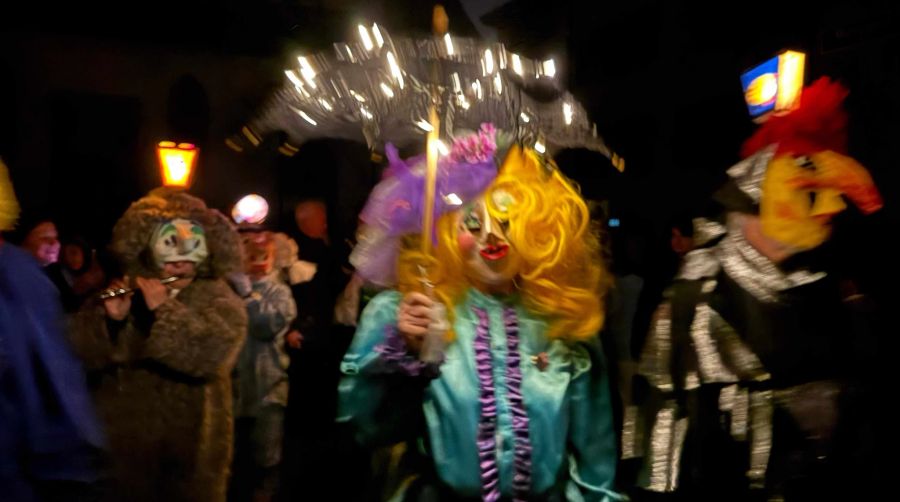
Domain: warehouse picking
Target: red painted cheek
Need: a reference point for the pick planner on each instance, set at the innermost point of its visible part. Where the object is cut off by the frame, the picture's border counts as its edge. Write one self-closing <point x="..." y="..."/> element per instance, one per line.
<point x="466" y="242"/>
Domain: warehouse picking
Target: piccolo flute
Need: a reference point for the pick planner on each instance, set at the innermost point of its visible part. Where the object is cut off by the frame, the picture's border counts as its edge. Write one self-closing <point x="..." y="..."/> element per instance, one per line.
<point x="114" y="292"/>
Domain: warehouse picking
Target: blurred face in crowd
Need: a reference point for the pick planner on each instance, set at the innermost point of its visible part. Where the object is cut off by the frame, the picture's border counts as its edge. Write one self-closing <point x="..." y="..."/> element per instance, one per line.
<point x="43" y="243"/>
<point x="681" y="243"/>
<point x="259" y="253"/>
<point x="73" y="257"/>
<point x="312" y="219"/>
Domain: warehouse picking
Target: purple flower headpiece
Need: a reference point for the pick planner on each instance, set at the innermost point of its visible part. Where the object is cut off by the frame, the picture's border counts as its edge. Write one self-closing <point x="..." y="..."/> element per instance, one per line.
<point x="395" y="206"/>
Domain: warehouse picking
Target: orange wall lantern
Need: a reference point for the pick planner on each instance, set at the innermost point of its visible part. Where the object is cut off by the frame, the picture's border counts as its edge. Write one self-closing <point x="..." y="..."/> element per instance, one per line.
<point x="177" y="163"/>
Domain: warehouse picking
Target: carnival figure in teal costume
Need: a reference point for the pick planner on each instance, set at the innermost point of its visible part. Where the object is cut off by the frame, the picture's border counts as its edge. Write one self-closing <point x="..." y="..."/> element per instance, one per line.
<point x="516" y="404"/>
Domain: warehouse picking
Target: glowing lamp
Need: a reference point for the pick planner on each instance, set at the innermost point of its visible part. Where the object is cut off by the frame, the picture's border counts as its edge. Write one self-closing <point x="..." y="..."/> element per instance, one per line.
<point x="775" y="85"/>
<point x="177" y="162"/>
<point x="251" y="209"/>
<point x="790" y="80"/>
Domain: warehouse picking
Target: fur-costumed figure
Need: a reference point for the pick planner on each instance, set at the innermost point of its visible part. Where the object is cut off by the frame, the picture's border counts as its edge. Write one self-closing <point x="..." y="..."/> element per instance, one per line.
<point x="746" y="360"/>
<point x="160" y="361"/>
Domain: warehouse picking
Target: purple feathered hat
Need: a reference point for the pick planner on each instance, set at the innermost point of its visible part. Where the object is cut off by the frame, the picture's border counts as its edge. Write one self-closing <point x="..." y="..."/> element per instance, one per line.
<point x="395" y="206"/>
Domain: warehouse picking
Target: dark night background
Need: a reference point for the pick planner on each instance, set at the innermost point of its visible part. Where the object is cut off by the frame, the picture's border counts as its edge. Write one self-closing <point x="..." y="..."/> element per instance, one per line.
<point x="87" y="89"/>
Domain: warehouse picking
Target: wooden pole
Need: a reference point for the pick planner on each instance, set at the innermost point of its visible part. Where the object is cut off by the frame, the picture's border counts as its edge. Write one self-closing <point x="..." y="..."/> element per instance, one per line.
<point x="440" y="24"/>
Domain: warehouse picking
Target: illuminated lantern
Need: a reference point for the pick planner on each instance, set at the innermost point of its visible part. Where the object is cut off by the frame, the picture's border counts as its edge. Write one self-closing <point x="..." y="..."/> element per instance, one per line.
<point x="251" y="209"/>
<point x="177" y="162"/>
<point x="775" y="85"/>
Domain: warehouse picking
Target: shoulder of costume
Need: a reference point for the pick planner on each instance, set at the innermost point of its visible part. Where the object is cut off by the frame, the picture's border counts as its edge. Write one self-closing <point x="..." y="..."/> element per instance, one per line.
<point x="389" y="298"/>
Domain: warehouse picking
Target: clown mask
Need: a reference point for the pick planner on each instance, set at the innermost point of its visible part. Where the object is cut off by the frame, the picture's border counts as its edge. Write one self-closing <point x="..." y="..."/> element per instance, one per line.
<point x="179" y="241"/>
<point x="801" y="195"/>
<point x="259" y="253"/>
<point x="490" y="258"/>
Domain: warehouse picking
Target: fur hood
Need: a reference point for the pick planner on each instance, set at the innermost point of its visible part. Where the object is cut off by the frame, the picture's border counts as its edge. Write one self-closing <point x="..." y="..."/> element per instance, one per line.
<point x="132" y="233"/>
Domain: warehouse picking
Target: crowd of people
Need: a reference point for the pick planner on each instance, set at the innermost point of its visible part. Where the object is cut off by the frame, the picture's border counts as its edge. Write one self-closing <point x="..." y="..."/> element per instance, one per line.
<point x="513" y="355"/>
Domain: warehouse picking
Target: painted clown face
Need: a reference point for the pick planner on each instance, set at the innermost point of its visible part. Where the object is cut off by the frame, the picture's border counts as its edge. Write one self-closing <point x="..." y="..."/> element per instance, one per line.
<point x="259" y="253"/>
<point x="178" y="246"/>
<point x="802" y="194"/>
<point x="491" y="259"/>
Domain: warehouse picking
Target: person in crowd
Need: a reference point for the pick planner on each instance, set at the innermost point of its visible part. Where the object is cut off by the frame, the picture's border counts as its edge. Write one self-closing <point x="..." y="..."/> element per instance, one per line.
<point x="483" y="357"/>
<point x="39" y="236"/>
<point x="262" y="390"/>
<point x="160" y="358"/>
<point x="51" y="443"/>
<point x="747" y="363"/>
<point x="315" y="347"/>
<point x="77" y="275"/>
